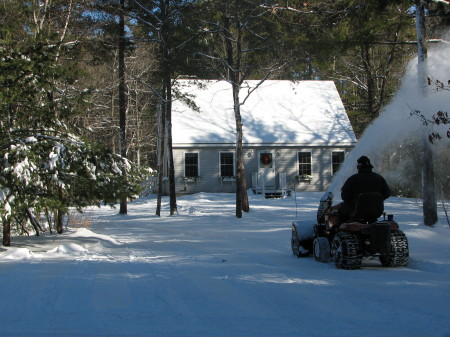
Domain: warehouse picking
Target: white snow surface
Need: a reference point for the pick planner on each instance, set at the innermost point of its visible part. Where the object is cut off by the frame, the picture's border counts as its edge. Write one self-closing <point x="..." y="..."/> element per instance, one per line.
<point x="277" y="112"/>
<point x="204" y="272"/>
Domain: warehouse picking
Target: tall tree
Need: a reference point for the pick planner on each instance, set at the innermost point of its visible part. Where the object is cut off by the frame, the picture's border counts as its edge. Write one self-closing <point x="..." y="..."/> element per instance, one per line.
<point x="122" y="94"/>
<point x="45" y="162"/>
<point x="168" y="24"/>
<point x="156" y="18"/>
<point x="428" y="187"/>
<point x="167" y="71"/>
<point x="241" y="41"/>
<point x="161" y="153"/>
<point x="369" y="44"/>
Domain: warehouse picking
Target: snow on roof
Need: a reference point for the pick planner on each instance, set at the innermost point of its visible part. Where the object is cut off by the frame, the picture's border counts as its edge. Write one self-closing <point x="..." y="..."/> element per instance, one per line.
<point x="276" y="113"/>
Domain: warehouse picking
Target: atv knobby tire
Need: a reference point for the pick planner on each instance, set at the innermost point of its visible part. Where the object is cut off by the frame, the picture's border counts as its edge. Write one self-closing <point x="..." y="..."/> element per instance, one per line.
<point x="321" y="249"/>
<point x="346" y="251"/>
<point x="399" y="256"/>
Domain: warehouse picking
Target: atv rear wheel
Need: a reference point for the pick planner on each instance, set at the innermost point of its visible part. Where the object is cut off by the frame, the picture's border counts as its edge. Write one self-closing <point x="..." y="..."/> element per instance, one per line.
<point x="346" y="251"/>
<point x="399" y="255"/>
<point x="321" y="249"/>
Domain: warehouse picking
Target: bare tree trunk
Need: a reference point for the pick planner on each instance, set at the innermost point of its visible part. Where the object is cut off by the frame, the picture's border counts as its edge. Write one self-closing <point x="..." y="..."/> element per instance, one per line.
<point x="122" y="97"/>
<point x="167" y="96"/>
<point x="371" y="86"/>
<point x="24" y="230"/>
<point x="161" y="155"/>
<point x="242" y="204"/>
<point x="6" y="232"/>
<point x="234" y="74"/>
<point x="428" y="188"/>
<point x="171" y="173"/>
<point x="49" y="219"/>
<point x="444" y="206"/>
<point x="36" y="225"/>
<point x="240" y="163"/>
<point x="59" y="221"/>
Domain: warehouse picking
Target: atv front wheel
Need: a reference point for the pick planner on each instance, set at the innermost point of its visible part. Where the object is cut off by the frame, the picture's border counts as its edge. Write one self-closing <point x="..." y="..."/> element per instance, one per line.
<point x="399" y="255"/>
<point x="346" y="251"/>
<point x="321" y="249"/>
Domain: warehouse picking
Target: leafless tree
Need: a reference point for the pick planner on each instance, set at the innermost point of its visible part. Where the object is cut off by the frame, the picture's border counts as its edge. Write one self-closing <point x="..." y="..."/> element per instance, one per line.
<point x="244" y="32"/>
<point x="428" y="185"/>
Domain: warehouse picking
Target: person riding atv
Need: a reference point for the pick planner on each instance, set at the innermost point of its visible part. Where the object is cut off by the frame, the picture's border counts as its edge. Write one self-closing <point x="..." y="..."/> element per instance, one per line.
<point x="351" y="230"/>
<point x="365" y="181"/>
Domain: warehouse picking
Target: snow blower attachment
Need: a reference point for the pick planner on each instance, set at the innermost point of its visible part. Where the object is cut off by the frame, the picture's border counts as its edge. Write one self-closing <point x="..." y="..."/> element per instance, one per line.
<point x="362" y="236"/>
<point x="302" y="238"/>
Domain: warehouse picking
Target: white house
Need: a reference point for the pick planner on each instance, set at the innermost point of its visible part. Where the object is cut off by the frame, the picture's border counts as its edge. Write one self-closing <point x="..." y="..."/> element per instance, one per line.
<point x="296" y="134"/>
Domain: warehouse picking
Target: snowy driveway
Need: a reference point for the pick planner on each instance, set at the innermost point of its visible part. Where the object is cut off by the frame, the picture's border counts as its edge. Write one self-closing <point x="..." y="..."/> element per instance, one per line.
<point x="206" y="273"/>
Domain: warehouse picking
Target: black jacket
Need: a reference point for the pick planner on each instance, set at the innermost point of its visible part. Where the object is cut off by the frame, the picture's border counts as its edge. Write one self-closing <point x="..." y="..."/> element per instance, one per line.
<point x="364" y="181"/>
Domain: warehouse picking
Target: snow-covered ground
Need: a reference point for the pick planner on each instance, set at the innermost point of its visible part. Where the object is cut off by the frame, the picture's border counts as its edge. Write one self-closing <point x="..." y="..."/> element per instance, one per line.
<point x="204" y="272"/>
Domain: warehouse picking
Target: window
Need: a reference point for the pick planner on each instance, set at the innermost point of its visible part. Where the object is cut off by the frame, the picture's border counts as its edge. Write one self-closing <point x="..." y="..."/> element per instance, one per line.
<point x="304" y="163"/>
<point x="226" y="164"/>
<point x="337" y="158"/>
<point x="191" y="164"/>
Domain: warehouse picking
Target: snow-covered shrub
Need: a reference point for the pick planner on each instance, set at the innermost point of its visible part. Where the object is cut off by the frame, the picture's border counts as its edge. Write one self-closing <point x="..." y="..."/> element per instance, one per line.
<point x="45" y="164"/>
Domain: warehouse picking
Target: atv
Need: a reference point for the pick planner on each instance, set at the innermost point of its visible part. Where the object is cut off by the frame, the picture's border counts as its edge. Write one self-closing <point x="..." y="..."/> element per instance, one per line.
<point x="362" y="236"/>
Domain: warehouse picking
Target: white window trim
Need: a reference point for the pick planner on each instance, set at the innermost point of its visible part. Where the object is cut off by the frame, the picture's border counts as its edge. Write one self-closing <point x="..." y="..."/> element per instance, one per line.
<point x="297" y="163"/>
<point x="198" y="161"/>
<point x="234" y="162"/>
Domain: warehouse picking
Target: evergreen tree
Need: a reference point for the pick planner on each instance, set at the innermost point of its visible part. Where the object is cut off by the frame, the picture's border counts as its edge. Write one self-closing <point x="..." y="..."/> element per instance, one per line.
<point x="44" y="161"/>
<point x="168" y="24"/>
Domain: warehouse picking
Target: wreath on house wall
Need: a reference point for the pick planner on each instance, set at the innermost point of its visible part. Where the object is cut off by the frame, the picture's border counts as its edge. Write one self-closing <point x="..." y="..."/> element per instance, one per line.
<point x="266" y="158"/>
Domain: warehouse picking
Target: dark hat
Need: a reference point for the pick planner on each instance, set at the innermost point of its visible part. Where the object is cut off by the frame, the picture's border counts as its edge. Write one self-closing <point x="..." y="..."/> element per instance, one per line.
<point x="364" y="162"/>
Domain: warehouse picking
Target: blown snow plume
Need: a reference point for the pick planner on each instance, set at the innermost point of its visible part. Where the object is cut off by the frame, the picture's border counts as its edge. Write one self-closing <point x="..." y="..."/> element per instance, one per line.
<point x="396" y="124"/>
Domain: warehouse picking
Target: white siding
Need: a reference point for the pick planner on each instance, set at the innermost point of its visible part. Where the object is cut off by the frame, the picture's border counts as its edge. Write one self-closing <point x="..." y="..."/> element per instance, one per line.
<point x="286" y="161"/>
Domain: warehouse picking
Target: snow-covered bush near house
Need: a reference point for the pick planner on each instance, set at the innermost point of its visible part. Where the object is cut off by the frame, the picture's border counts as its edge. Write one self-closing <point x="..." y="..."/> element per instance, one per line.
<point x="204" y="272"/>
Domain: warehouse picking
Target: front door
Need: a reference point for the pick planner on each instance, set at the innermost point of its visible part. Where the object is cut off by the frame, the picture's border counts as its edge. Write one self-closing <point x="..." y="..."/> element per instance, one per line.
<point x="266" y="168"/>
